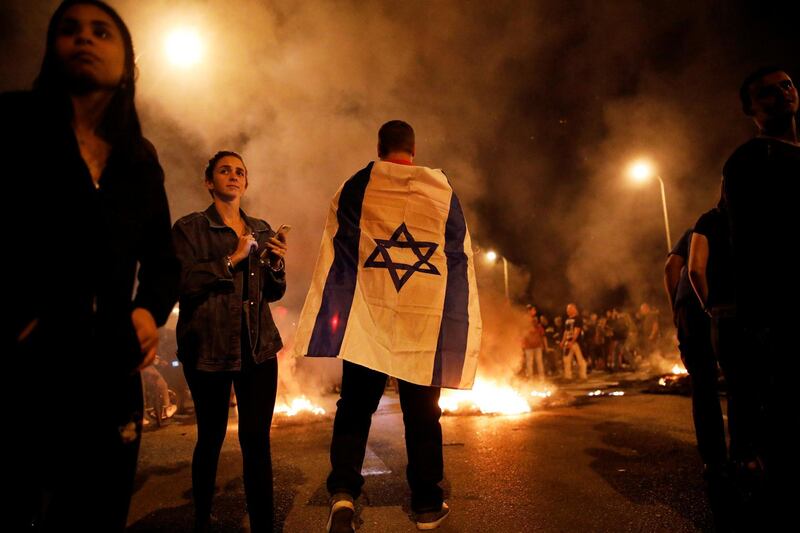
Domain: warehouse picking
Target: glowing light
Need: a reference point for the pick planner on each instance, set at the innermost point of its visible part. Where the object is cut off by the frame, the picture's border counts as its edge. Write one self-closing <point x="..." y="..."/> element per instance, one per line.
<point x="486" y="397"/>
<point x="541" y="394"/>
<point x="298" y="405"/>
<point x="662" y="382"/>
<point x="335" y="322"/>
<point x="184" y="47"/>
<point x="679" y="370"/>
<point x="491" y="256"/>
<point x="598" y="392"/>
<point x="640" y="171"/>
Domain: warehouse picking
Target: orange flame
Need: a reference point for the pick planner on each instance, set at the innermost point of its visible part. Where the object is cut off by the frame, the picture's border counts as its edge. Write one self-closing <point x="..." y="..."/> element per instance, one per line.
<point x="301" y="404"/>
<point x="487" y="397"/>
<point x="679" y="369"/>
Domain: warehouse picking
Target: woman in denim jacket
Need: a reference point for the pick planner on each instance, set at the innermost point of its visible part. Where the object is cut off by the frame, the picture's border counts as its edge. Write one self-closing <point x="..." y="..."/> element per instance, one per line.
<point x="231" y="268"/>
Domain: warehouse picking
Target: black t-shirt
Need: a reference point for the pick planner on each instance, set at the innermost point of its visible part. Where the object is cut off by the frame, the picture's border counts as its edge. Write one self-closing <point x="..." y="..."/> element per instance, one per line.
<point x="713" y="225"/>
<point x="761" y="190"/>
<point x="684" y="293"/>
<point x="570" y="327"/>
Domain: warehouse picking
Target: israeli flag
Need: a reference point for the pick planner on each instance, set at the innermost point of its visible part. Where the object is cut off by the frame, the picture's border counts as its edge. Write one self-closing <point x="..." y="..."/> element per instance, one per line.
<point x="394" y="285"/>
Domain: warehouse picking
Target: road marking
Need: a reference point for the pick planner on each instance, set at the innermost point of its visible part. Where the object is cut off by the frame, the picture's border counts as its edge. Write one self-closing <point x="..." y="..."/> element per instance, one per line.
<point x="373" y="466"/>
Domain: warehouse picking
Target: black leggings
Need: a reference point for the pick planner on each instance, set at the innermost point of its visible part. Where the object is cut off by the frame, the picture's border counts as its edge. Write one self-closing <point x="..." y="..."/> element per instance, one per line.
<point x="256" y="387"/>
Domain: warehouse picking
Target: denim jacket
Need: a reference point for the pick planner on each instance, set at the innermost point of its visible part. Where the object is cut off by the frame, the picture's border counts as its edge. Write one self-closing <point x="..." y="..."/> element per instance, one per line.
<point x="211" y="306"/>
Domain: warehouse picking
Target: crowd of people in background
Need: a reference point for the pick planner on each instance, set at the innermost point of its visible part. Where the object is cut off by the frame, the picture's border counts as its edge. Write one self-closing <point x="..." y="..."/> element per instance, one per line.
<point x="613" y="340"/>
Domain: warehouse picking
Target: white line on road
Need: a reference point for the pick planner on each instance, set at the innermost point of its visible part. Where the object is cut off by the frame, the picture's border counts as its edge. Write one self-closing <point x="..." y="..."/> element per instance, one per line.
<point x="373" y="466"/>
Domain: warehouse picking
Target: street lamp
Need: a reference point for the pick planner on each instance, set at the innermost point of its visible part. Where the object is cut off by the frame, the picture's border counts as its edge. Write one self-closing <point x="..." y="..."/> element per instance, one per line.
<point x="184" y="47"/>
<point x="642" y="170"/>
<point x="491" y="256"/>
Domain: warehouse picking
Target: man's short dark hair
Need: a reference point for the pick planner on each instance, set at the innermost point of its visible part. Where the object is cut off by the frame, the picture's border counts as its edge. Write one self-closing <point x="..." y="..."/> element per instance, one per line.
<point x="744" y="90"/>
<point x="395" y="136"/>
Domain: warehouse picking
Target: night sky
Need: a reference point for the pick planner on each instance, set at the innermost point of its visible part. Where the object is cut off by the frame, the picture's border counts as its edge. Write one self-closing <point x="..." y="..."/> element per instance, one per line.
<point x="534" y="109"/>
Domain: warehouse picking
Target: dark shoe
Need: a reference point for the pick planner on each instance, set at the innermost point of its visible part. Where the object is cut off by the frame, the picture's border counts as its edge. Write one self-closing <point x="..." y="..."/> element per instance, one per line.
<point x="206" y="524"/>
<point x="722" y="496"/>
<point x="342" y="512"/>
<point x="432" y="519"/>
<point x="750" y="478"/>
<point x="715" y="472"/>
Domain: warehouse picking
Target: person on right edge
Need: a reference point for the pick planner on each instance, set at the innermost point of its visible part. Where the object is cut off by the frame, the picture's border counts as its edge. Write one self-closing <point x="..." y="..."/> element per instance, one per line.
<point x="760" y="190"/>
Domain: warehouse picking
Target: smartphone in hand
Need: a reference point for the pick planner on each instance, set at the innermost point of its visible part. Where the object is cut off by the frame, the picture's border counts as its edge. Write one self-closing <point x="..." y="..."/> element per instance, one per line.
<point x="284" y="229"/>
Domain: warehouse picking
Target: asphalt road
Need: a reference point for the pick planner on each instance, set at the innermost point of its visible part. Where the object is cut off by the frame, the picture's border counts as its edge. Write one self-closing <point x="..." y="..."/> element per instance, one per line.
<point x="606" y="463"/>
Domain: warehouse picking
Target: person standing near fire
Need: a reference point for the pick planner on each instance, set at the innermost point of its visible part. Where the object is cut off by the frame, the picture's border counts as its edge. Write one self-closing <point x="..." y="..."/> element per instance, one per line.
<point x="232" y="267"/>
<point x="417" y="320"/>
<point x="760" y="189"/>
<point x="533" y="345"/>
<point x="94" y="275"/>
<point x="697" y="354"/>
<point x="570" y="343"/>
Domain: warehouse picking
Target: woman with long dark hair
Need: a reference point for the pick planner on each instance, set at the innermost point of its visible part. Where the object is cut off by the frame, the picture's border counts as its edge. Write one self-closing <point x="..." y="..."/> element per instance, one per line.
<point x="231" y="268"/>
<point x="91" y="213"/>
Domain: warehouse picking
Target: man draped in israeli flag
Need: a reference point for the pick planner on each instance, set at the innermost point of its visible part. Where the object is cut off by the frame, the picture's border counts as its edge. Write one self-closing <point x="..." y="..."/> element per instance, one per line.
<point x="394" y="294"/>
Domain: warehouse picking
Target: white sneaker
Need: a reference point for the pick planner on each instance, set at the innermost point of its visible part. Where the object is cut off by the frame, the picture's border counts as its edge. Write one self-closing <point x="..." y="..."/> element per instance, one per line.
<point x="433" y="519"/>
<point x="341" y="516"/>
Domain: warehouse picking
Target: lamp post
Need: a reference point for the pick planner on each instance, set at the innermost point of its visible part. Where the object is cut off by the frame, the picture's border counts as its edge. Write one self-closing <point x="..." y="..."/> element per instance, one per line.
<point x="492" y="256"/>
<point x="641" y="171"/>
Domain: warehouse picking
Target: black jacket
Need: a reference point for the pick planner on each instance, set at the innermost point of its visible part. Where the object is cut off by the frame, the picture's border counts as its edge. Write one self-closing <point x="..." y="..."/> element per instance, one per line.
<point x="211" y="297"/>
<point x="77" y="249"/>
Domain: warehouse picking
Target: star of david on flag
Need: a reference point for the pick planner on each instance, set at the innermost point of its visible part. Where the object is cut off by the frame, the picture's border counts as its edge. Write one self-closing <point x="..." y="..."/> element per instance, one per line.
<point x="406" y="305"/>
<point x="422" y="265"/>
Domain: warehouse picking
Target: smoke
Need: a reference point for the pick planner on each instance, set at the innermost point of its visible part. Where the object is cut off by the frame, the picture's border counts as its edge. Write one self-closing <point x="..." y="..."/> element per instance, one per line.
<point x="532" y="108"/>
<point x="501" y="343"/>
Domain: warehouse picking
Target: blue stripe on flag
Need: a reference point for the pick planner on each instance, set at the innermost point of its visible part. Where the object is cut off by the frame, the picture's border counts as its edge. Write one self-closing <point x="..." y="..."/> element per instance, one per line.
<point x="337" y="296"/>
<point x="451" y="347"/>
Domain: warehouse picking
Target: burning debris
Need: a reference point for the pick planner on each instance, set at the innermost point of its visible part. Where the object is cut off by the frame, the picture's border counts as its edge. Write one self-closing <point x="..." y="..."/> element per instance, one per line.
<point x="491" y="398"/>
<point x="599" y="392"/>
<point x="485" y="398"/>
<point x="677" y="381"/>
<point x="678" y="376"/>
<point x="679" y="370"/>
<point x="297" y="406"/>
